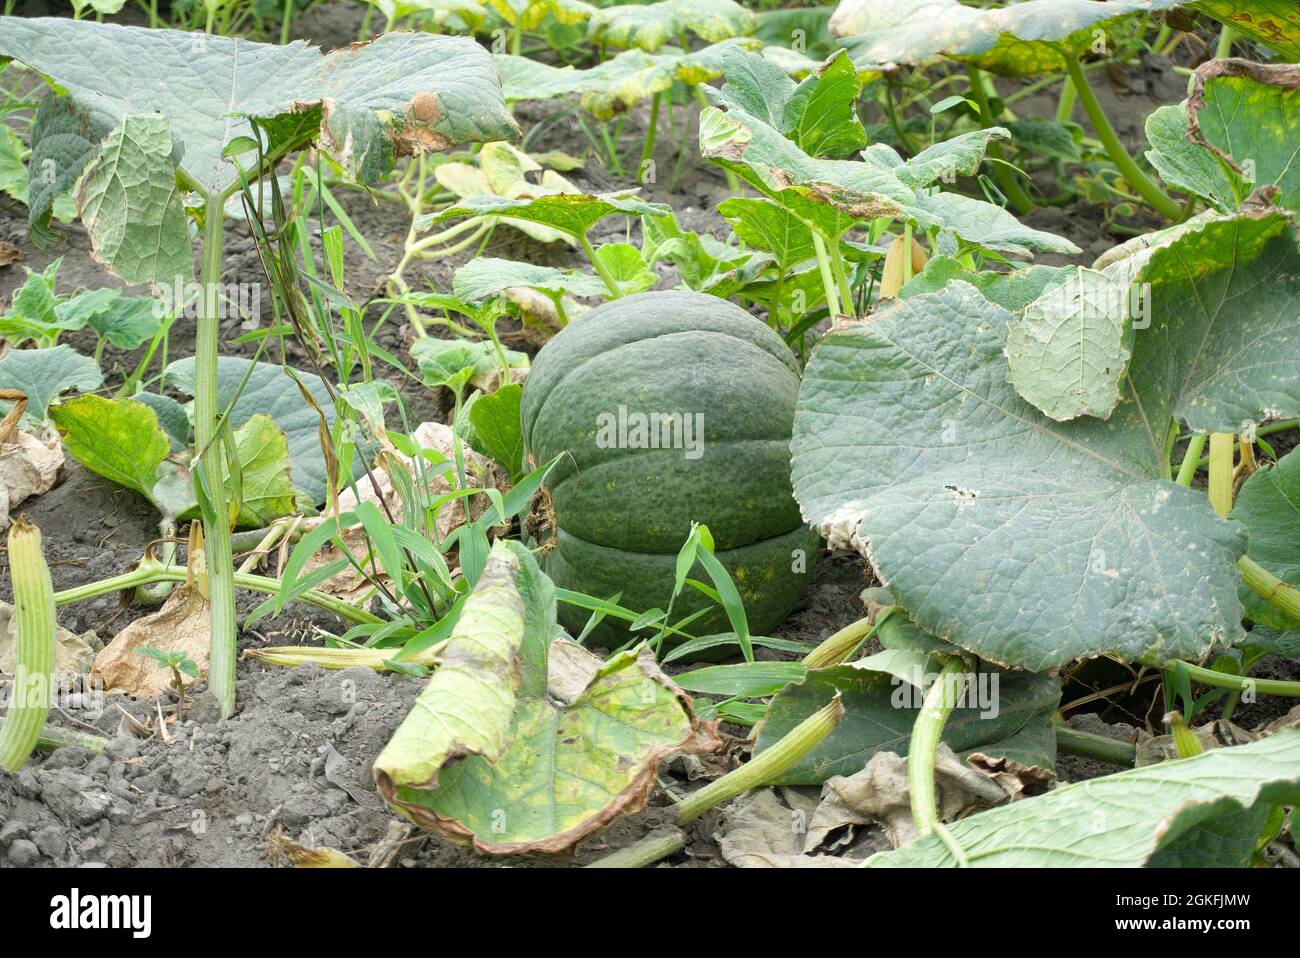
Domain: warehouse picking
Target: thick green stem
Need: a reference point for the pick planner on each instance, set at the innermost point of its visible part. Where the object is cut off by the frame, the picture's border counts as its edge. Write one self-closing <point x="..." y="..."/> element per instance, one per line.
<point x="1155" y="197"/>
<point x="34" y="612"/>
<point x="291" y="656"/>
<point x="53" y="738"/>
<point x="1223" y="48"/>
<point x="828" y="277"/>
<point x="1071" y="741"/>
<point x="155" y="572"/>
<point x="1187" y="471"/>
<point x="940" y="700"/>
<point x="1065" y="105"/>
<point x="647" y="851"/>
<point x="1269" y="587"/>
<point x="1005" y="176"/>
<point x="840" y="646"/>
<point x="216" y="528"/>
<point x="765" y="767"/>
<point x="1220" y="490"/>
<point x="841" y="273"/>
<point x="1282" y="425"/>
<point x="601" y="269"/>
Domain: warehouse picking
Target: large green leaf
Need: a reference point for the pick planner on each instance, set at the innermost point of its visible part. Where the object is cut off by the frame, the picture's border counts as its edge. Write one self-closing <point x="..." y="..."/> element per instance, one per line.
<point x="498" y="430"/>
<point x="1020" y="39"/>
<point x="524" y="744"/>
<point x="1012" y="290"/>
<point x="1274" y="23"/>
<point x="1268" y="505"/>
<point x="983" y="225"/>
<point x="650" y="26"/>
<point x="1032" y="542"/>
<point x="402" y="93"/>
<point x="121" y="440"/>
<point x="1234" y="133"/>
<point x="570" y="213"/>
<point x="116" y="438"/>
<point x="485" y="277"/>
<point x="45" y="373"/>
<point x="1147" y="816"/>
<point x="616" y="84"/>
<point x="272" y="391"/>
<point x="1005" y="714"/>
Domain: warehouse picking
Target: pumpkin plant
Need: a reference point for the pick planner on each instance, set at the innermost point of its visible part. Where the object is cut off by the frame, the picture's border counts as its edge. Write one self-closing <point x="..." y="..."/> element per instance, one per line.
<point x="1019" y="525"/>
<point x="148" y="136"/>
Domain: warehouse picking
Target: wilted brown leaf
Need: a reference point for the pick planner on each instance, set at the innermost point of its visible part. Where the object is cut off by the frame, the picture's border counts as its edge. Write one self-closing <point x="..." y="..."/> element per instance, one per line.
<point x="181" y="625"/>
<point x="28" y="467"/>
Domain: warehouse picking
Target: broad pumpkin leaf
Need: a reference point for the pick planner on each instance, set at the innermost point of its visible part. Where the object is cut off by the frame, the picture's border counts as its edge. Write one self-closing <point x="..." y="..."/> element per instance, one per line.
<point x="45" y="373"/>
<point x="1274" y="23"/>
<point x="1020" y="39"/>
<point x="571" y="213"/>
<point x="272" y="391"/>
<point x="529" y="14"/>
<point x="818" y="114"/>
<point x="523" y="78"/>
<point x="1154" y="815"/>
<point x="266" y="488"/>
<point x="1032" y="542"/>
<point x="401" y="93"/>
<point x="1268" y="641"/>
<point x="171" y="416"/>
<point x="1268" y="505"/>
<point x="1234" y="133"/>
<point x="1069" y="349"/>
<point x="524" y="744"/>
<point x="617" y="84"/>
<point x="33" y="314"/>
<point x="485" y="277"/>
<point x="121" y="440"/>
<point x="116" y="438"/>
<point x="1005" y="714"/>
<point x="627" y="267"/>
<point x="650" y="26"/>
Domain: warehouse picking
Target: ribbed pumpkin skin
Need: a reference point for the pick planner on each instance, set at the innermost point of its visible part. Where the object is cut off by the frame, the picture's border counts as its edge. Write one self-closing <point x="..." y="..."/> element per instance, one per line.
<point x="624" y="512"/>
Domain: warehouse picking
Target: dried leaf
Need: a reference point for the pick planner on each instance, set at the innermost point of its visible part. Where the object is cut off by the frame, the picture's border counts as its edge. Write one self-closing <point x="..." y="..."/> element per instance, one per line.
<point x="72" y="653"/>
<point x="28" y="467"/>
<point x="181" y="625"/>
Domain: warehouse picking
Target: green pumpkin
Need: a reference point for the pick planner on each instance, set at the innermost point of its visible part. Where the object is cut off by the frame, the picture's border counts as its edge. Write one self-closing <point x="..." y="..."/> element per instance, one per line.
<point x="668" y="408"/>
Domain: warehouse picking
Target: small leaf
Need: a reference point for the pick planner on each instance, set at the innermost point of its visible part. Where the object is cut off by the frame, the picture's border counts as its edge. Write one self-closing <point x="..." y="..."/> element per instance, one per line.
<point x="497" y="429"/>
<point x="1071" y="346"/>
